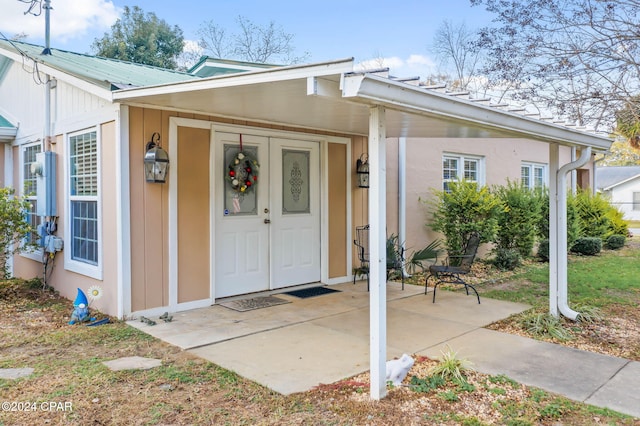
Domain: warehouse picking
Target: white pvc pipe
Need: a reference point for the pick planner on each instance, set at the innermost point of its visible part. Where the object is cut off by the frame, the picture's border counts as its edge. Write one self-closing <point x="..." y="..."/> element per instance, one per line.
<point x="561" y="177"/>
<point x="402" y="195"/>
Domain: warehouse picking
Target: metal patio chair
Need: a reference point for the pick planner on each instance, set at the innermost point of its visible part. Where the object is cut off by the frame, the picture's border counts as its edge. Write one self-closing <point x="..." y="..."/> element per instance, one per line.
<point x="395" y="255"/>
<point x="362" y="246"/>
<point x="455" y="268"/>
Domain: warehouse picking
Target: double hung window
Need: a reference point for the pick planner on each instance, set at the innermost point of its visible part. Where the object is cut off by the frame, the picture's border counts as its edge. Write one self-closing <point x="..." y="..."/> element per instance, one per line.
<point x="461" y="167"/>
<point x="84" y="218"/>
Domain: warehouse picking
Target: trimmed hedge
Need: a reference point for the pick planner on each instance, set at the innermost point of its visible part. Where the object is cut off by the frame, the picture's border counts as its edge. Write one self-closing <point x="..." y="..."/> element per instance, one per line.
<point x="588" y="246"/>
<point x="614" y="242"/>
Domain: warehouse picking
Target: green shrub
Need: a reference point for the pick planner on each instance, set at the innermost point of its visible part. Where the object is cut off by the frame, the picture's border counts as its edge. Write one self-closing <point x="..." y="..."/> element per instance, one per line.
<point x="573" y="222"/>
<point x="543" y="250"/>
<point x="517" y="221"/>
<point x="598" y="217"/>
<point x="588" y="246"/>
<point x="463" y="211"/>
<point x="14" y="227"/>
<point x="507" y="259"/>
<point x="614" y="242"/>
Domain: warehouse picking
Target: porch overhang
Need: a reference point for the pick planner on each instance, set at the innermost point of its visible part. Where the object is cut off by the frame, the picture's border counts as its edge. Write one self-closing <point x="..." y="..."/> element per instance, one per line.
<point x="330" y="97"/>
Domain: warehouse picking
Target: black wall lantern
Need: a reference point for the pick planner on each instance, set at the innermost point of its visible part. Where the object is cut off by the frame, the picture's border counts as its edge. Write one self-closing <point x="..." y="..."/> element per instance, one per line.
<point x="362" y="169"/>
<point x="156" y="161"/>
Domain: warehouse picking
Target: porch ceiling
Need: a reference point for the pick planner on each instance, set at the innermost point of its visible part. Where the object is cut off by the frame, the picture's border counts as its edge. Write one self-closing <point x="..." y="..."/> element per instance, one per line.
<point x="329" y="97"/>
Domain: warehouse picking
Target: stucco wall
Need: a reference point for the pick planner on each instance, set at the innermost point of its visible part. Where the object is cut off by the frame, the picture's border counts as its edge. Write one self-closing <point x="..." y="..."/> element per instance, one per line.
<point x="502" y="161"/>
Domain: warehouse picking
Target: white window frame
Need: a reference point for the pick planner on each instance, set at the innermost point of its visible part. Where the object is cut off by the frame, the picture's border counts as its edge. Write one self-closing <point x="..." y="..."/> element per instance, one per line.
<point x="35" y="254"/>
<point x="532" y="167"/>
<point x="635" y="201"/>
<point x="460" y="168"/>
<point x="70" y="264"/>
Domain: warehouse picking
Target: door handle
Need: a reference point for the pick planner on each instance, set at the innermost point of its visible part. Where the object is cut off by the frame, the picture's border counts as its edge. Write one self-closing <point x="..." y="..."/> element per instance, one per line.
<point x="267" y="221"/>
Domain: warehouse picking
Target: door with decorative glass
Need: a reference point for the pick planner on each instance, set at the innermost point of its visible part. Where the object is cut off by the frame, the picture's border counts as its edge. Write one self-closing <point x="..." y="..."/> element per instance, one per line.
<point x="267" y="232"/>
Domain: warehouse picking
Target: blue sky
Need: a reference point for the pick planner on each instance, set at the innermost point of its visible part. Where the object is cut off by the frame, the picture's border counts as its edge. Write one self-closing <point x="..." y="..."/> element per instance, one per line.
<point x="399" y="32"/>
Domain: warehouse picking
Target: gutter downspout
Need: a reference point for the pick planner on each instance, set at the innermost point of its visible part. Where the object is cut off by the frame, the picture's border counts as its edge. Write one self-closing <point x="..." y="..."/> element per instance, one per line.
<point x="402" y="196"/>
<point x="561" y="179"/>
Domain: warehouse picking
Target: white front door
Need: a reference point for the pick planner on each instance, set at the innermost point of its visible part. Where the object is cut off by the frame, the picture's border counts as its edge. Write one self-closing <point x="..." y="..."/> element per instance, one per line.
<point x="295" y="207"/>
<point x="267" y="236"/>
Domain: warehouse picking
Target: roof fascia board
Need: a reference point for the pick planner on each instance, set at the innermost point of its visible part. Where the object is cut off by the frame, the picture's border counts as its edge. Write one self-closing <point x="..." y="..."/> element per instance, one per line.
<point x="622" y="182"/>
<point x="377" y="90"/>
<point x="244" y="79"/>
<point x="85" y="85"/>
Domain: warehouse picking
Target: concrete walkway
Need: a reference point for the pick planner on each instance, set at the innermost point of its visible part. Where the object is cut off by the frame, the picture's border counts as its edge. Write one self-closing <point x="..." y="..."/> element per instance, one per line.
<point x="295" y="346"/>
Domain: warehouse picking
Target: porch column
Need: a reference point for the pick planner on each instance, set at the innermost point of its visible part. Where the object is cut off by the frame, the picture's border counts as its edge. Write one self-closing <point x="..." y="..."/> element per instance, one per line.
<point x="554" y="165"/>
<point x="377" y="252"/>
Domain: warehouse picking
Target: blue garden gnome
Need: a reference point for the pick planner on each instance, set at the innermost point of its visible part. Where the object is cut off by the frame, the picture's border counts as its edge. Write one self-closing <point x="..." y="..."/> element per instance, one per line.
<point x="80" y="309"/>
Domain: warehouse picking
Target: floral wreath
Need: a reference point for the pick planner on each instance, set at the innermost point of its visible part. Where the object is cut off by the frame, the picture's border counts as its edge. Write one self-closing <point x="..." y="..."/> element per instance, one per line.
<point x="243" y="172"/>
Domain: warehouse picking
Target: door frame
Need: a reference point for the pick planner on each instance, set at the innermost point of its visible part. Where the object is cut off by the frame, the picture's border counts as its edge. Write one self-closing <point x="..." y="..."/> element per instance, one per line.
<point x="213" y="126"/>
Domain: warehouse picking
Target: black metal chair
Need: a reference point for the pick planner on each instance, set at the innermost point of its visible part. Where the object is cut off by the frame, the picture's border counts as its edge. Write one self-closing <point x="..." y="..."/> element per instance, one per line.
<point x="362" y="246"/>
<point x="395" y="255"/>
<point x="455" y="268"/>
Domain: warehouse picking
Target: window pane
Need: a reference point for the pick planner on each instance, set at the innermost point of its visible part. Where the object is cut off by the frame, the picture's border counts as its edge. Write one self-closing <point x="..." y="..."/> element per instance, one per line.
<point x="449" y="168"/>
<point x="84" y="164"/>
<point x="84" y="234"/>
<point x="538" y="173"/>
<point x="239" y="203"/>
<point x="636" y="201"/>
<point x="29" y="178"/>
<point x="471" y="170"/>
<point x="295" y="182"/>
<point x="525" y="179"/>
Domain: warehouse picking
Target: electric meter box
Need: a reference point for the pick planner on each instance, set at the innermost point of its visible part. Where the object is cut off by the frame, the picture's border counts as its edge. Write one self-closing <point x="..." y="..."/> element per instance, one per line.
<point x="46" y="183"/>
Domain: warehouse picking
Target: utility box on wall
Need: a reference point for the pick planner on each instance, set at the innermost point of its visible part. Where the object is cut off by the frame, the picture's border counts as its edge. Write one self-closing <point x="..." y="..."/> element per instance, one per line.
<point x="46" y="183"/>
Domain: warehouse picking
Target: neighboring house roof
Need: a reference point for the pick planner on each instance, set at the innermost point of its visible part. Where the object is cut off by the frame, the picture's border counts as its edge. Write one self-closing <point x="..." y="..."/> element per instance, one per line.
<point x="610" y="177"/>
<point x="110" y="74"/>
<point x="7" y="130"/>
<point x="209" y="67"/>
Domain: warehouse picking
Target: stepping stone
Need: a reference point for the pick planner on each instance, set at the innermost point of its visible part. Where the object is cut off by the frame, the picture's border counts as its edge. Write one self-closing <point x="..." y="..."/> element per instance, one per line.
<point x="15" y="373"/>
<point x="132" y="363"/>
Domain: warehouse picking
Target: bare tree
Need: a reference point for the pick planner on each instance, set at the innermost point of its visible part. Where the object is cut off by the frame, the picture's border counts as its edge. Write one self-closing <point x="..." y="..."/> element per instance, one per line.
<point x="455" y="44"/>
<point x="251" y="42"/>
<point x="579" y="58"/>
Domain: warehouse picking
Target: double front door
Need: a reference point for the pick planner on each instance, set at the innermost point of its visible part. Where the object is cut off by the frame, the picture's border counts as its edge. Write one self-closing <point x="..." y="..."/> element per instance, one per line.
<point x="267" y="213"/>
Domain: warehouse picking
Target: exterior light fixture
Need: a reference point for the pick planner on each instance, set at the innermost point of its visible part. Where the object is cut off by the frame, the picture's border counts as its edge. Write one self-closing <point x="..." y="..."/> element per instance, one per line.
<point x="362" y="169"/>
<point x="156" y="161"/>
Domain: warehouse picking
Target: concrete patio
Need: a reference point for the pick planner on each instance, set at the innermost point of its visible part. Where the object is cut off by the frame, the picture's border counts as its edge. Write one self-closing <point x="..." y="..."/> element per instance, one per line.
<point x="295" y="346"/>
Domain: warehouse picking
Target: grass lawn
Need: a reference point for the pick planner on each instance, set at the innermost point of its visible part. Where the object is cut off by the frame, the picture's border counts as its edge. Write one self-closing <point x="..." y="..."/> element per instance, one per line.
<point x="68" y="370"/>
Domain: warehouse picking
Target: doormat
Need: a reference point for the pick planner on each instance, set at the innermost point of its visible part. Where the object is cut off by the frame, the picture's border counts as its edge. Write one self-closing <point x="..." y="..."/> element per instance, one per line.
<point x="243" y="305"/>
<point x="312" y="292"/>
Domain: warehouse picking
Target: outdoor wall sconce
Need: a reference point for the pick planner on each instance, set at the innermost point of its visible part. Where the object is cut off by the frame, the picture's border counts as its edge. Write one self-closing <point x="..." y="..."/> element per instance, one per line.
<point x="362" y="169"/>
<point x="156" y="161"/>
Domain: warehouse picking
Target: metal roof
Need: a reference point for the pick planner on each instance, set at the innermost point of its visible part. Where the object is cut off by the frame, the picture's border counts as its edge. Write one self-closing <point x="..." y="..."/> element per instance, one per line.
<point x="611" y="176"/>
<point x="209" y="67"/>
<point x="7" y="130"/>
<point x="107" y="73"/>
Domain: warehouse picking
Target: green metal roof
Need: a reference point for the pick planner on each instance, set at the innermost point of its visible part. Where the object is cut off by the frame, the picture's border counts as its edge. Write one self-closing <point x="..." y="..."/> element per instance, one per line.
<point x="5" y="123"/>
<point x="108" y="73"/>
<point x="209" y="67"/>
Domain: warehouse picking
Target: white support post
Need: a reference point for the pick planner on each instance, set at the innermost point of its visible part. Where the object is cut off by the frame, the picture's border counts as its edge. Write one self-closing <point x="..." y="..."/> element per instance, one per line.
<point x="402" y="194"/>
<point x="554" y="242"/>
<point x="377" y="252"/>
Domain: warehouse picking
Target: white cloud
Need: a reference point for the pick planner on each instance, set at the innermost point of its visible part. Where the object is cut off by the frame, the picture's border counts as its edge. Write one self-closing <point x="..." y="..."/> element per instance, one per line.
<point x="70" y="19"/>
<point x="415" y="65"/>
